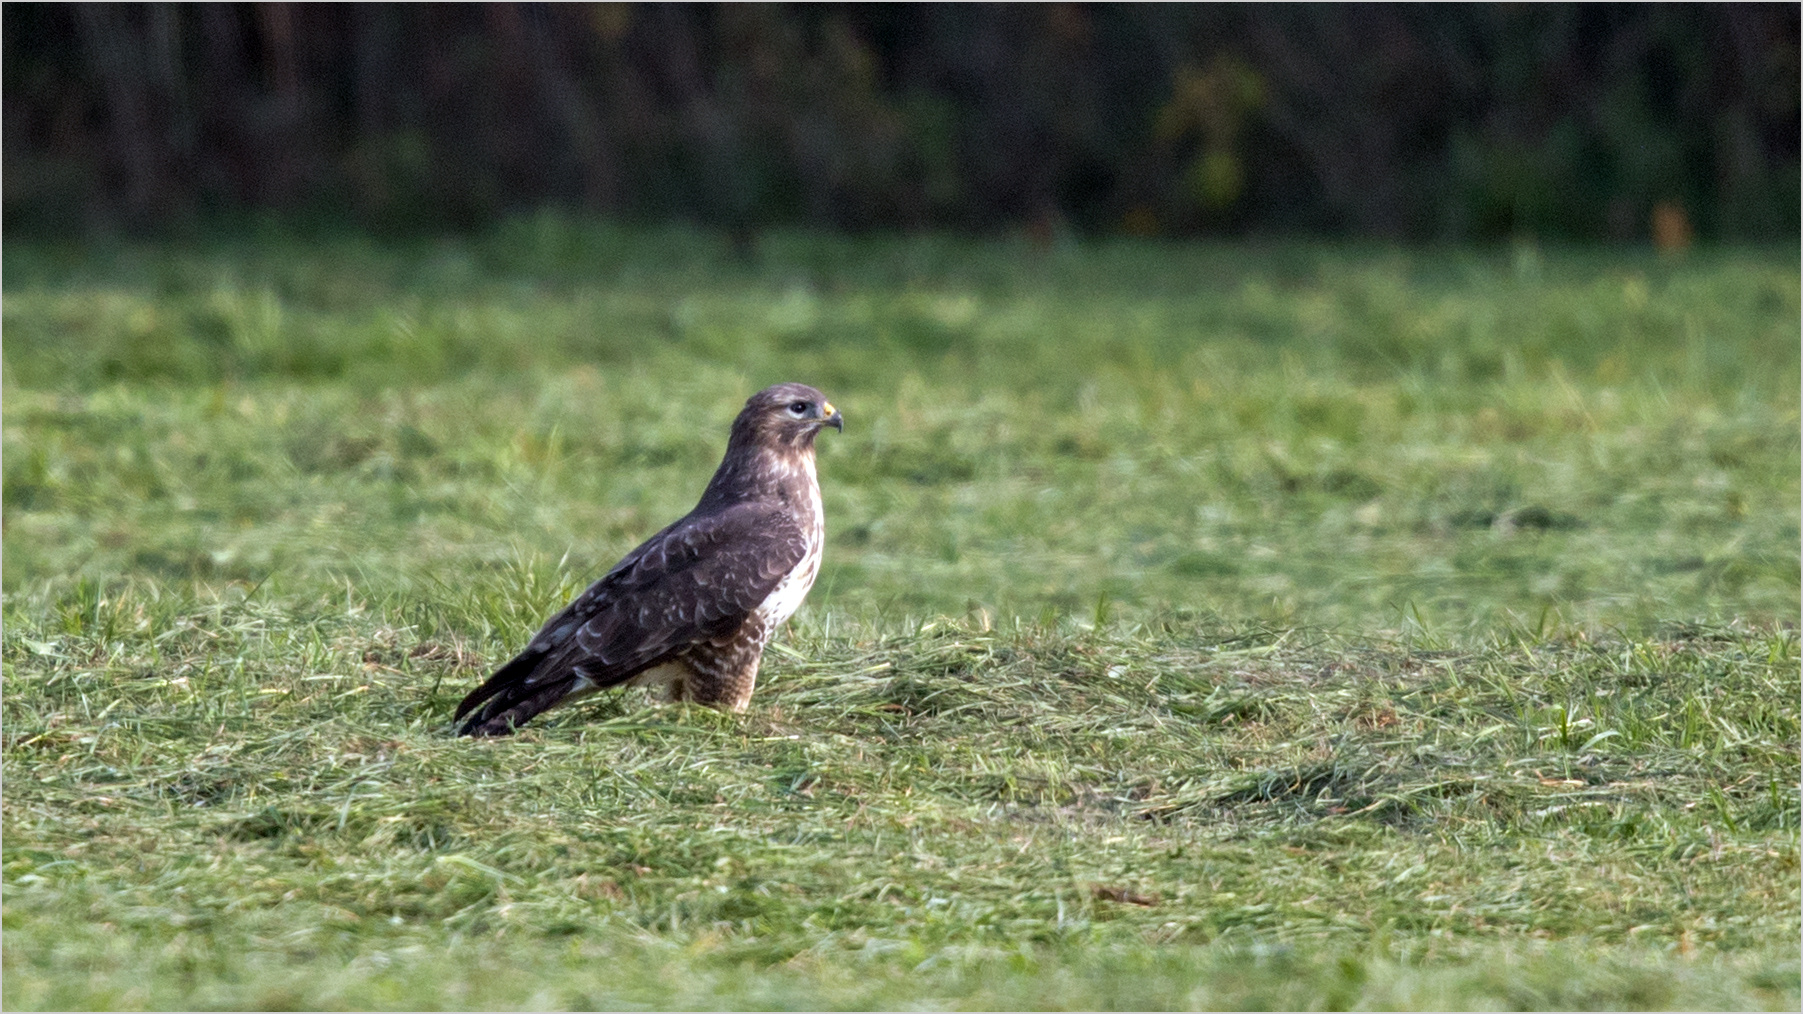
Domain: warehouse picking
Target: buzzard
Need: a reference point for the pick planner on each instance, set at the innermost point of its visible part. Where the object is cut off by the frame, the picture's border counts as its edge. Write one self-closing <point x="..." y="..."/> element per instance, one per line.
<point x="692" y="607"/>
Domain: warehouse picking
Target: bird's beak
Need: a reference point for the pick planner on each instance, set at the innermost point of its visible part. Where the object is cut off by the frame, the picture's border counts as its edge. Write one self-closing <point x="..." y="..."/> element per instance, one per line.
<point x="831" y="416"/>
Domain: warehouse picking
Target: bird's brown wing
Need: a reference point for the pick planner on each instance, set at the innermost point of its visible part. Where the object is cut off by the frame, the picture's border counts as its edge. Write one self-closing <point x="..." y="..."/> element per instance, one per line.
<point x="698" y="578"/>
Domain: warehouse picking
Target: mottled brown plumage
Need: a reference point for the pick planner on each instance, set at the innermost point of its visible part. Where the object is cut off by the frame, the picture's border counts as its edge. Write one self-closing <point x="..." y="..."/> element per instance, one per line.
<point x="694" y="605"/>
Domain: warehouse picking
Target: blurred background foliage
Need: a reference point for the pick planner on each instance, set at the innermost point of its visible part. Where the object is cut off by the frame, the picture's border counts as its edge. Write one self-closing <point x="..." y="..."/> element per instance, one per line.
<point x="1434" y="122"/>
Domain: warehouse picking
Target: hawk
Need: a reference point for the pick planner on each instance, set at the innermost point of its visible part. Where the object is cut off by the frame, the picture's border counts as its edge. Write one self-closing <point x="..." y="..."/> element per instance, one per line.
<point x="693" y="606"/>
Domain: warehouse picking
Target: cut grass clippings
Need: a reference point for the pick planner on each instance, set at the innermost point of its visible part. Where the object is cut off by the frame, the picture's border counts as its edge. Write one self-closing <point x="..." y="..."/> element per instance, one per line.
<point x="1281" y="627"/>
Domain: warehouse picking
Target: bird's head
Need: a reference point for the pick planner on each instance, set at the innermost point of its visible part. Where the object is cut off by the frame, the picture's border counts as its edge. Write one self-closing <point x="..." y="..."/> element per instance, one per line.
<point x="786" y="415"/>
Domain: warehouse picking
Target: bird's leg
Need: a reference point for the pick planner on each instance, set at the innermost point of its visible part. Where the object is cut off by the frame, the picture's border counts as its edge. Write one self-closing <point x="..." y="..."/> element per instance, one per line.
<point x="738" y="696"/>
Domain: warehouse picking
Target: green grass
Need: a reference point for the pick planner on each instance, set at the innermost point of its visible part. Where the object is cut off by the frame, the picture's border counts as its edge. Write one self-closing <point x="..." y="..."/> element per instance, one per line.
<point x="1236" y="626"/>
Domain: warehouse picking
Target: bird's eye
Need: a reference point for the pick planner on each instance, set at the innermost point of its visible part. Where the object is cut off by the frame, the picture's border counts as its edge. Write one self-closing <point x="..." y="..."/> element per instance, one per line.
<point x="798" y="408"/>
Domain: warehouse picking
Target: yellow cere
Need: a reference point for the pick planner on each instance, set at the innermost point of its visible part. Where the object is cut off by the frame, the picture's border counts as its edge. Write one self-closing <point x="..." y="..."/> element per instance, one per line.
<point x="827" y="407"/>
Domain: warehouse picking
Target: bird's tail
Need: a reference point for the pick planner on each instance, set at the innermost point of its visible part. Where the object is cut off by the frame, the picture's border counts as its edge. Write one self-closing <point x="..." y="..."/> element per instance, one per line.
<point x="509" y="698"/>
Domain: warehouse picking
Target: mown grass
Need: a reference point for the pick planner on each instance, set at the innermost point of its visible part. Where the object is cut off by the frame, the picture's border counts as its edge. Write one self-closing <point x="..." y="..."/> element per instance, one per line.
<point x="1200" y="626"/>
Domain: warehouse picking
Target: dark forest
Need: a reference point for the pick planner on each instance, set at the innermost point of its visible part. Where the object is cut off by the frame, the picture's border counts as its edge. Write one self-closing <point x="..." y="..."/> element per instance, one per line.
<point x="1432" y="122"/>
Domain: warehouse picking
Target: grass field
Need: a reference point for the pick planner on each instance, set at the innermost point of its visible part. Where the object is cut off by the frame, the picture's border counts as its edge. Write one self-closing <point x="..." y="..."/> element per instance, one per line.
<point x="1206" y="626"/>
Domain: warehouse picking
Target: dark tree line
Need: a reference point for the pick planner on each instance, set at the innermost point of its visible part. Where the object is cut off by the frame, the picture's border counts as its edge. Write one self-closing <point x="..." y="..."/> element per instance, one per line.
<point x="1431" y="121"/>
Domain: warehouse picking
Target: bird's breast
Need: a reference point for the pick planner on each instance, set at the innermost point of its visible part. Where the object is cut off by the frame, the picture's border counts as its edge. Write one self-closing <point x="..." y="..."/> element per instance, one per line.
<point x="786" y="597"/>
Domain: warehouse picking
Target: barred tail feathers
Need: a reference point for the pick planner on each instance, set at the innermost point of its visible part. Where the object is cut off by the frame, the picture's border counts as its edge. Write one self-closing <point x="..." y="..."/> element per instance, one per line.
<point x="509" y="698"/>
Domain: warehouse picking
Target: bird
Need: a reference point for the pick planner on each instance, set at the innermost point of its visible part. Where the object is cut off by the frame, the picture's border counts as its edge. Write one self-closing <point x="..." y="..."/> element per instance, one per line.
<point x="693" y="606"/>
